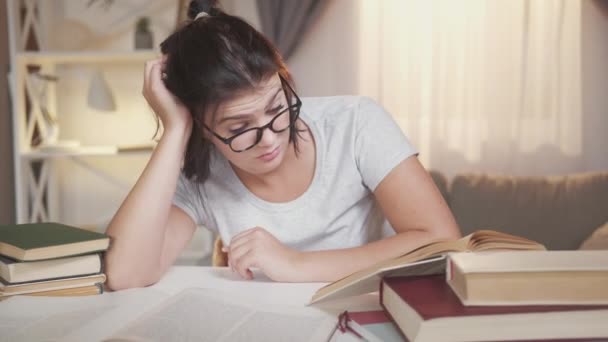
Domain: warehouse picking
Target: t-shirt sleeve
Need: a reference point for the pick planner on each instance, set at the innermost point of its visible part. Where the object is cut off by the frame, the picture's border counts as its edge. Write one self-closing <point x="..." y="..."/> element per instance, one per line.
<point x="188" y="199"/>
<point x="380" y="145"/>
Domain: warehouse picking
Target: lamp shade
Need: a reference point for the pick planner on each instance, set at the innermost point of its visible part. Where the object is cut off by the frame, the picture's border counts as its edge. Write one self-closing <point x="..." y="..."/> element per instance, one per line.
<point x="100" y="96"/>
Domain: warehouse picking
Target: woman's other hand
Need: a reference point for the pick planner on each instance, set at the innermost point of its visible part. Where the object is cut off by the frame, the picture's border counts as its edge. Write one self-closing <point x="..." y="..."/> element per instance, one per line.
<point x="257" y="248"/>
<point x="172" y="113"/>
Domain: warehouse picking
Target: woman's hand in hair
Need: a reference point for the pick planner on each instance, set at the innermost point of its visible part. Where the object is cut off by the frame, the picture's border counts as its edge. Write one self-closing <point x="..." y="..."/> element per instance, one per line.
<point x="172" y="113"/>
<point x="257" y="248"/>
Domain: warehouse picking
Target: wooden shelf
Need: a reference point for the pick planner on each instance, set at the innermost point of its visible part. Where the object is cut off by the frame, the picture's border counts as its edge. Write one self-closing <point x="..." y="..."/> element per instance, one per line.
<point x="84" y="151"/>
<point x="65" y="57"/>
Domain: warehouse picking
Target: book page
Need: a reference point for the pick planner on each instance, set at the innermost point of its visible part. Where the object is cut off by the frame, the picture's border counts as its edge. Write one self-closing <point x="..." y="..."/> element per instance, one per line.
<point x="209" y="315"/>
<point x="87" y="318"/>
<point x="370" y="281"/>
<point x="490" y="239"/>
<point x="425" y="252"/>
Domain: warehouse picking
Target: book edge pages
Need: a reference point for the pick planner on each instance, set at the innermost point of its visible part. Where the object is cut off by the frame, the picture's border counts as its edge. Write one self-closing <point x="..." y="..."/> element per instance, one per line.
<point x="11" y="251"/>
<point x="468" y="267"/>
<point x="88" y="260"/>
<point x="52" y="285"/>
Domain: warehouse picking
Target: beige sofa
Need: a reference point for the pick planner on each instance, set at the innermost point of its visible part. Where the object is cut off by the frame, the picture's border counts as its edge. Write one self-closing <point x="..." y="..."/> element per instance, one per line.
<point x="562" y="212"/>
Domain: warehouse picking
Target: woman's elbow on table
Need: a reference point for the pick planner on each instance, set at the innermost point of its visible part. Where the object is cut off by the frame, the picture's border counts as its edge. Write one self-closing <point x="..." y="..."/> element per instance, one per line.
<point x="121" y="276"/>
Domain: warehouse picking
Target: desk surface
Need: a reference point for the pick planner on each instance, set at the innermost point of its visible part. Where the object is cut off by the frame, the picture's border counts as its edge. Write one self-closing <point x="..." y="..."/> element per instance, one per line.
<point x="39" y="314"/>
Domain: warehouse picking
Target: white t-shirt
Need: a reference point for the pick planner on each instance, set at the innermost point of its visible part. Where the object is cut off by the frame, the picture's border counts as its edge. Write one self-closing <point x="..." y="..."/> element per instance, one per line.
<point x="357" y="145"/>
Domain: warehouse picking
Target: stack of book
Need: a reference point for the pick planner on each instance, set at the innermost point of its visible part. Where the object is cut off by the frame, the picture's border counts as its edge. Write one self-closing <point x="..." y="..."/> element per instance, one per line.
<point x="486" y="286"/>
<point x="51" y="259"/>
<point x="500" y="296"/>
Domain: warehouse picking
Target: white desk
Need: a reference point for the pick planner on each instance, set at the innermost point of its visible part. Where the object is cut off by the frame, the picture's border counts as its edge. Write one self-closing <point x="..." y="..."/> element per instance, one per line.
<point x="90" y="316"/>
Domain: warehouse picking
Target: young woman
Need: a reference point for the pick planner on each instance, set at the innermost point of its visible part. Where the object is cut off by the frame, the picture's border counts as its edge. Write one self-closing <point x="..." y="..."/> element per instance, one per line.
<point x="306" y="189"/>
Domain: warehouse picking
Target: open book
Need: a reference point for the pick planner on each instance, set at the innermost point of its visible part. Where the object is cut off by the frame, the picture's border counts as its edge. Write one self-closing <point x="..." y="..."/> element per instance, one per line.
<point x="425" y="260"/>
<point x="194" y="314"/>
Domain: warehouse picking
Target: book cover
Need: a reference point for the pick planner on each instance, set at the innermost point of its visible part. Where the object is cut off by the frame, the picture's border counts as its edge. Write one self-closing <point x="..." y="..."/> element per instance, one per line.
<point x="529" y="277"/>
<point x="425" y="260"/>
<point x="426" y="309"/>
<point x="39" y="241"/>
<point x="15" y="272"/>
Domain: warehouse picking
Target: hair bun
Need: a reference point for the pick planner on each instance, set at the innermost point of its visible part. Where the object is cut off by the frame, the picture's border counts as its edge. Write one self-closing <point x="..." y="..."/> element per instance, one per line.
<point x="198" y="6"/>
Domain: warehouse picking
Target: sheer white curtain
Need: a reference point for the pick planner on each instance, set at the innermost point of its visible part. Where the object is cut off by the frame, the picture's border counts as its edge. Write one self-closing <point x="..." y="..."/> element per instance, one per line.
<point x="479" y="85"/>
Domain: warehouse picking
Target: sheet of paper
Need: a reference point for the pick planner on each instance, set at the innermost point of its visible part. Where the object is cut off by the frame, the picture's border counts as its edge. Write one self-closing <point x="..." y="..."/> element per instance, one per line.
<point x="212" y="315"/>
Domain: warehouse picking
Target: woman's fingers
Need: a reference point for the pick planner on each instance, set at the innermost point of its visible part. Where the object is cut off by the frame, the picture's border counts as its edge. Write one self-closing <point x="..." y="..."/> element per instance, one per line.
<point x="173" y="114"/>
<point x="236" y="253"/>
<point x="237" y="242"/>
<point x="244" y="263"/>
<point x="148" y="75"/>
<point x="244" y="233"/>
<point x="242" y="236"/>
<point x="156" y="77"/>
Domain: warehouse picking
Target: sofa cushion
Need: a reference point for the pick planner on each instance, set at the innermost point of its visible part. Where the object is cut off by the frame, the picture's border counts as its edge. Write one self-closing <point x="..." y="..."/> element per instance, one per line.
<point x="558" y="211"/>
<point x="598" y="239"/>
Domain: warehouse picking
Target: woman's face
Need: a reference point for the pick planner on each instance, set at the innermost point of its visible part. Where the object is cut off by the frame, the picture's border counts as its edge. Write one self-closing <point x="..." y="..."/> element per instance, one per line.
<point x="254" y="108"/>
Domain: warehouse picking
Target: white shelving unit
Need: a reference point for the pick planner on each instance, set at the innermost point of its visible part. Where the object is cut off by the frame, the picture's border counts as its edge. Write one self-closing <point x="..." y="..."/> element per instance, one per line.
<point x="37" y="171"/>
<point x="35" y="181"/>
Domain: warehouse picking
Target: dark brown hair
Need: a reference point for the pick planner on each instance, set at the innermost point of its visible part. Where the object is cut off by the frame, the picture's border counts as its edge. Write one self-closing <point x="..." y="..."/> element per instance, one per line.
<point x="211" y="60"/>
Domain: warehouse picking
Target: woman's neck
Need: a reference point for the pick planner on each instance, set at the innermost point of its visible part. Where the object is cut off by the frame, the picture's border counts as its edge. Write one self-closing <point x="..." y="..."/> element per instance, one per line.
<point x="291" y="179"/>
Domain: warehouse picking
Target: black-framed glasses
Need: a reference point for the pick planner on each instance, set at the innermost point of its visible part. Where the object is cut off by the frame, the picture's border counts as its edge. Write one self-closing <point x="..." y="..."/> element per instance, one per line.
<point x="250" y="137"/>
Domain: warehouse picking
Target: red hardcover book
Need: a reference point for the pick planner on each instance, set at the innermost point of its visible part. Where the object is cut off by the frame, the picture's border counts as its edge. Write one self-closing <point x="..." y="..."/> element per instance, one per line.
<point x="426" y="309"/>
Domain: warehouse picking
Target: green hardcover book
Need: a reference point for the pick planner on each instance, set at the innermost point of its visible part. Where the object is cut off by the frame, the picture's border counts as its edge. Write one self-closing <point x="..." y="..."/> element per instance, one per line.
<point x="39" y="241"/>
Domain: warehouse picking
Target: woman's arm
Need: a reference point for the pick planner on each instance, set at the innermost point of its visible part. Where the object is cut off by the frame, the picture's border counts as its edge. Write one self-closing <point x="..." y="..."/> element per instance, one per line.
<point x="147" y="232"/>
<point x="410" y="201"/>
<point x="414" y="207"/>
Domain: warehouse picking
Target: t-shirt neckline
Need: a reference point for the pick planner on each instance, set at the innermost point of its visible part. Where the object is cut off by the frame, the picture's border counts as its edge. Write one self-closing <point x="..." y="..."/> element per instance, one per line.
<point x="304" y="197"/>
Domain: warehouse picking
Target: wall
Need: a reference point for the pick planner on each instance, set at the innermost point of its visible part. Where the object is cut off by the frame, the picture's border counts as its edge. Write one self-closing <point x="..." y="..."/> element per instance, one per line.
<point x="7" y="199"/>
<point x="595" y="83"/>
<point x="325" y="62"/>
